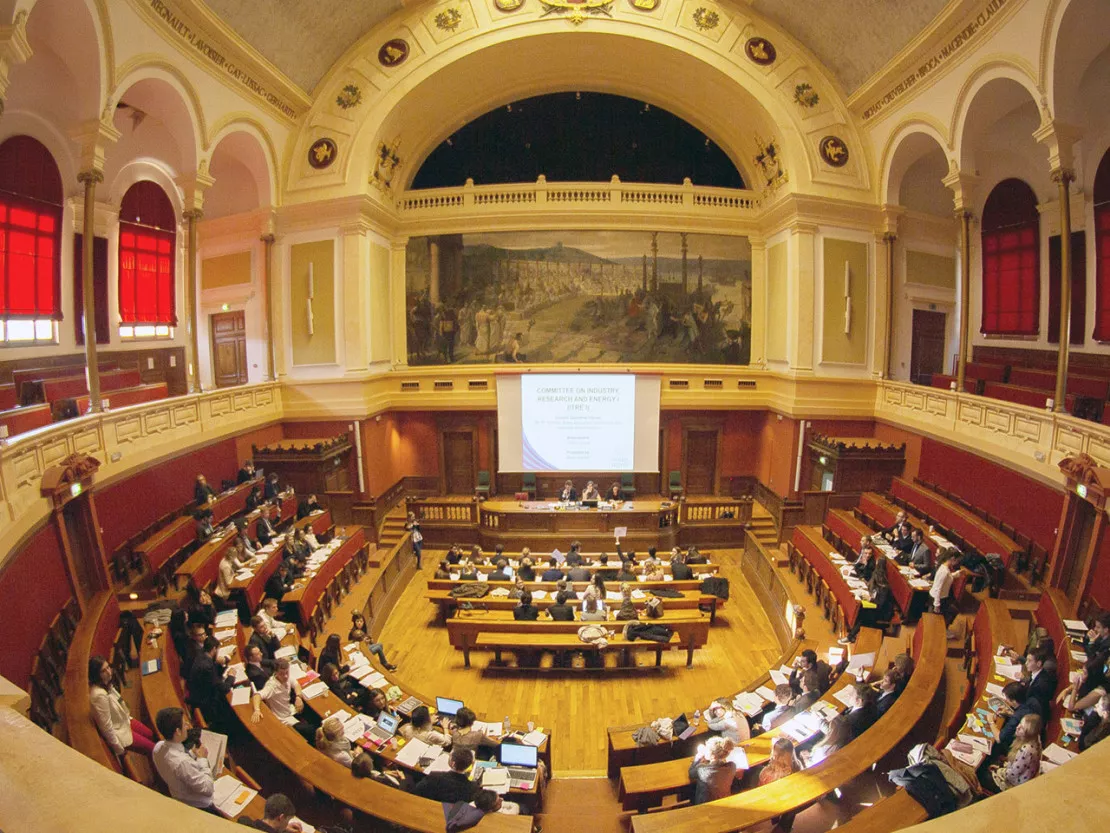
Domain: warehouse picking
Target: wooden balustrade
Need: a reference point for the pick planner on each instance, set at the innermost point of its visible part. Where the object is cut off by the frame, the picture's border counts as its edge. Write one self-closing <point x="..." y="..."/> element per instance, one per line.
<point x="715" y="511"/>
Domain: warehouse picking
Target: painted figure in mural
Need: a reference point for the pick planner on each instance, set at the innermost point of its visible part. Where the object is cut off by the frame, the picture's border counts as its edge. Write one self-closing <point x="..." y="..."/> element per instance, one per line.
<point x="481" y="327"/>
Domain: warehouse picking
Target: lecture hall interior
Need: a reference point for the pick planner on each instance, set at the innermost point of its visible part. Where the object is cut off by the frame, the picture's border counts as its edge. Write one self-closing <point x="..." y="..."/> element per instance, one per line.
<point x="681" y="303"/>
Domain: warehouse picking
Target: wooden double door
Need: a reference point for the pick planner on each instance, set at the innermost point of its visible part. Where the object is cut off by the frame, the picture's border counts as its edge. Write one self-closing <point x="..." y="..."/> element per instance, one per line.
<point x="699" y="453"/>
<point x="460" y="453"/>
<point x="229" y="348"/>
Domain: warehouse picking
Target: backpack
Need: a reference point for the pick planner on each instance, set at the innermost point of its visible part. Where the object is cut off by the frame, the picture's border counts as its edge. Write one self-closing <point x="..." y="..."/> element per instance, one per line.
<point x="627" y="611"/>
<point x="654" y="608"/>
<point x="927" y="786"/>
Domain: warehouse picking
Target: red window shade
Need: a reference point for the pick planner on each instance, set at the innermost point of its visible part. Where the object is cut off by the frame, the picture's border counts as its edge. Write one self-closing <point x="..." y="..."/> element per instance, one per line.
<point x="30" y="266"/>
<point x="146" y="276"/>
<point x="1011" y="281"/>
<point x="1102" y="272"/>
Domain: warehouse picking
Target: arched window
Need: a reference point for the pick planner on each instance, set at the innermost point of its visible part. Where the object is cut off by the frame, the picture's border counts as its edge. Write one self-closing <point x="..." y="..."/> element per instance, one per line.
<point x="1011" y="261"/>
<point x="30" y="242"/>
<point x="1102" y="249"/>
<point x="147" y="254"/>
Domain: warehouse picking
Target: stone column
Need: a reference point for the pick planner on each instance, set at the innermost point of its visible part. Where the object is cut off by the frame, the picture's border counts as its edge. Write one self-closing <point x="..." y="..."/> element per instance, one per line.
<point x="965" y="296"/>
<point x="1064" y="177"/>
<point x="889" y="238"/>
<point x="89" y="180"/>
<point x="192" y="217"/>
<point x="268" y="287"/>
<point x="801" y="278"/>
<point x="759" y="301"/>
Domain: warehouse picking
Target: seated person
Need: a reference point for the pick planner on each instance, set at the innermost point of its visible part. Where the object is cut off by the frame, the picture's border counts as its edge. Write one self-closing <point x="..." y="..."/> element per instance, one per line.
<point x="888" y="691"/>
<point x="443" y="571"/>
<point x="711" y="771"/>
<point x="344" y="687"/>
<point x="552" y="573"/>
<point x="465" y="737"/>
<point x="265" y="529"/>
<point x="378" y="704"/>
<point x="837" y="735"/>
<point x="264" y="638"/>
<point x="467" y="571"/>
<point x="679" y="569"/>
<point x="694" y="556"/>
<point x="202" y="492"/>
<point x="421" y="727"/>
<point x="721" y="717"/>
<point x="810" y="685"/>
<point x="519" y="588"/>
<point x="891" y="532"/>
<point x="861" y="713"/>
<point x="627" y="609"/>
<point x="259" y="669"/>
<point x="254" y="499"/>
<point x="331" y="741"/>
<point x="1040" y="676"/>
<point x="1097" y="725"/>
<point x="1023" y="761"/>
<point x="526" y="611"/>
<point x="628" y="569"/>
<point x="807" y="660"/>
<point x="1096" y="642"/>
<point x="568" y="493"/>
<point x="1018" y="703"/>
<point x="579" y="573"/>
<point x="283" y="695"/>
<point x="501" y="571"/>
<point x="454" y="555"/>
<point x="363" y="767"/>
<point x="208" y="685"/>
<point x="358" y="633"/>
<point x="604" y="571"/>
<point x="271" y="490"/>
<point x="307" y="506"/>
<point x="277" y="816"/>
<point x="203" y="525"/>
<point x="574" y="556"/>
<point x="527" y="570"/>
<point x="561" y="611"/>
<point x="653" y="570"/>
<point x="186" y="773"/>
<point x="593" y="609"/>
<point x="879" y="604"/>
<point x="919" y="556"/>
<point x="864" y="565"/>
<point x="614" y="494"/>
<point x="269" y="612"/>
<point x="784" y="761"/>
<point x="782" y="711"/>
<point x="453" y="785"/>
<point x="902" y="539"/>
<point x="246" y="472"/>
<point x="477" y="556"/>
<point x="234" y="559"/>
<point x="591" y="492"/>
<point x="279" y="583"/>
<point x="199" y="607"/>
<point x="113" y="718"/>
<point x="242" y="538"/>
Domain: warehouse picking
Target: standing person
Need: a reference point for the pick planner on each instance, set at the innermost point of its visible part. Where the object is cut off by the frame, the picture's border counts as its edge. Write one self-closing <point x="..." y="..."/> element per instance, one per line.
<point x="186" y="773"/>
<point x="711" y="771"/>
<point x="941" y="591"/>
<point x="119" y="729"/>
<point x="412" y="525"/>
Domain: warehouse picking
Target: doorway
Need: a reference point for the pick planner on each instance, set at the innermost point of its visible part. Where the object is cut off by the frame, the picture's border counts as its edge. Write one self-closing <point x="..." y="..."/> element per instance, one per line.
<point x="83" y="548"/>
<point x="1078" y="550"/>
<point x="458" y="462"/>
<point x="229" y="348"/>
<point x="927" y="345"/>
<point x="700" y="458"/>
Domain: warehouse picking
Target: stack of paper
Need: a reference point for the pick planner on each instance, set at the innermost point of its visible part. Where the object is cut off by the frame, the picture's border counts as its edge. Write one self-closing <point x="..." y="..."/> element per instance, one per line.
<point x="230" y="796"/>
<point x="767" y="694"/>
<point x="778" y="678"/>
<point x="1075" y="626"/>
<point x="225" y="635"/>
<point x="801" y="727"/>
<point x="286" y="652"/>
<point x="244" y="575"/>
<point x="356" y="727"/>
<point x="826" y="711"/>
<point x="1004" y="667"/>
<point x="314" y="690"/>
<point x="994" y="689"/>
<point x="749" y="703"/>
<point x="535" y="738"/>
<point x="226" y="651"/>
<point x="968" y="753"/>
<point x="412" y="752"/>
<point x="240" y="696"/>
<point x="539" y="594"/>
<point x="227" y="619"/>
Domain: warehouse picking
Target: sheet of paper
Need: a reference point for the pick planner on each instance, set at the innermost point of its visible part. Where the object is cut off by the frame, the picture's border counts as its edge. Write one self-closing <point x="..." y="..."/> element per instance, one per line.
<point x="226" y="651"/>
<point x="1079" y="656"/>
<point x="612" y="596"/>
<point x="227" y="618"/>
<point x="1075" y="625"/>
<point x="216" y="744"/>
<point x="861" y="661"/>
<point x="1057" y="754"/>
<point x="240" y="696"/>
<point x="305" y="826"/>
<point x="237" y="672"/>
<point x="233" y="796"/>
<point x="412" y="752"/>
<point x="749" y="703"/>
<point x="534" y="738"/>
<point x="539" y="594"/>
<point x="994" y="689"/>
<point x="225" y="635"/>
<point x="778" y="678"/>
<point x="315" y="690"/>
<point x="286" y="652"/>
<point x="244" y="575"/>
<point x="358" y="660"/>
<point x="842" y="695"/>
<point x="356" y="727"/>
<point x="442" y="763"/>
<point x="766" y="693"/>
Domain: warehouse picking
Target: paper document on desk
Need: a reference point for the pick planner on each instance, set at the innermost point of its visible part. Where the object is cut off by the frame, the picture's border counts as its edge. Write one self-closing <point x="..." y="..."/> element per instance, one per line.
<point x="778" y="678"/>
<point x="748" y="702"/>
<point x="1010" y="671"/>
<point x="1079" y="656"/>
<point x="967" y="753"/>
<point x="767" y="694"/>
<point x="612" y="596"/>
<point x="357" y="659"/>
<point x="227" y="619"/>
<point x="240" y="696"/>
<point x="1057" y="754"/>
<point x="361" y="672"/>
<point x="305" y="826"/>
<point x="994" y="689"/>
<point x="826" y="711"/>
<point x="286" y="652"/>
<point x="1075" y="625"/>
<point x="802" y="727"/>
<point x="534" y="738"/>
<point x="225" y="635"/>
<point x="639" y="594"/>
<point x="244" y="575"/>
<point x="356" y="727"/>
<point x="280" y="631"/>
<point x="860" y="661"/>
<point x="412" y="752"/>
<point x="216" y="744"/>
<point x="842" y="695"/>
<point x="442" y="763"/>
<point x="230" y="797"/>
<point x="539" y="594"/>
<point x="314" y="690"/>
<point x="237" y="672"/>
<point x="226" y="651"/>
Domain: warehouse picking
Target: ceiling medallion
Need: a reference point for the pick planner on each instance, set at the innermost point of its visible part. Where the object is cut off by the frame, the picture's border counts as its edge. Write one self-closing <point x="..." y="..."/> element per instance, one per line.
<point x="350" y="96"/>
<point x="322" y="153"/>
<point x="645" y="5"/>
<point x="760" y="51"/>
<point x="834" y="151"/>
<point x="806" y="96"/>
<point x="508" y="5"/>
<point x="577" y="10"/>
<point x="393" y="52"/>
<point x="706" y="19"/>
<point x="448" y="20"/>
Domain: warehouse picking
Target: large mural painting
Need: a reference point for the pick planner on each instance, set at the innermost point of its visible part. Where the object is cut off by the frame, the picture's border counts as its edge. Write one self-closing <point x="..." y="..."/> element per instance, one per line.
<point x="579" y="296"/>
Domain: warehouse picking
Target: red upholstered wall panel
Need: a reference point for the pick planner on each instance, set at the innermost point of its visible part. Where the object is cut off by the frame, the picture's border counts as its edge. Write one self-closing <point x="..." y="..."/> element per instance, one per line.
<point x="126" y="507"/>
<point x="1100" y="575"/>
<point x="34" y="587"/>
<point x="1030" y="506"/>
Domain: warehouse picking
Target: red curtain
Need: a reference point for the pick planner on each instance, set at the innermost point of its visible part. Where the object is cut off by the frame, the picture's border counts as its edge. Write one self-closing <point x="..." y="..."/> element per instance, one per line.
<point x="1102" y="272"/>
<point x="1011" y="281"/>
<point x="146" y="276"/>
<point x="30" y="266"/>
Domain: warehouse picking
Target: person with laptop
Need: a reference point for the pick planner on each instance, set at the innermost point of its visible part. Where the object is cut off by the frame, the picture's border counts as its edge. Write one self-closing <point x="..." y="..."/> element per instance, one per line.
<point x="522" y="762"/>
<point x="465" y="736"/>
<point x="421" y="727"/>
<point x="381" y="734"/>
<point x="453" y="785"/>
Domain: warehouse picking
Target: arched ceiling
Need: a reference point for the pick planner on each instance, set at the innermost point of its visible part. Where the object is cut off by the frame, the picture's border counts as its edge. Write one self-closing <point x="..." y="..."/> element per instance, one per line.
<point x="305" y="38"/>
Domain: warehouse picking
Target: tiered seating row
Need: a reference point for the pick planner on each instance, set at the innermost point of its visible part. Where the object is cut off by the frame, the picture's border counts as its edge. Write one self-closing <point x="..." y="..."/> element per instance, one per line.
<point x="813" y="548"/>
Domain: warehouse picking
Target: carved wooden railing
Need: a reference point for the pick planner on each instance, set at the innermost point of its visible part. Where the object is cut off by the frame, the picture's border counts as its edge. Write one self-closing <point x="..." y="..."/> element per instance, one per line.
<point x="444" y="511"/>
<point x="709" y="513"/>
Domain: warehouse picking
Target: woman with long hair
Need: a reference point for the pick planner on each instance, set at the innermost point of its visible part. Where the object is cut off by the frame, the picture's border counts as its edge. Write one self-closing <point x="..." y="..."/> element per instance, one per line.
<point x="119" y="729"/>
<point x="1022" y="762"/>
<point x="359" y="633"/>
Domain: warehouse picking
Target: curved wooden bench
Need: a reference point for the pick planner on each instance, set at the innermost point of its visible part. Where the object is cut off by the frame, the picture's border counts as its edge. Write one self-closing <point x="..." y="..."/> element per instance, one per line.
<point x="892" y="813"/>
<point x="795" y="791"/>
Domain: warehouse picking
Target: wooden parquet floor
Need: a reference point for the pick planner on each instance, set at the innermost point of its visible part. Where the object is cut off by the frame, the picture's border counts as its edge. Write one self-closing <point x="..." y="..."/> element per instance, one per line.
<point x="577" y="708"/>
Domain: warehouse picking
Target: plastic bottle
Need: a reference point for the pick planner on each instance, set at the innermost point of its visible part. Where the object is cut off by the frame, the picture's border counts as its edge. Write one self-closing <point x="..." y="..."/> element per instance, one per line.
<point x="506" y="725"/>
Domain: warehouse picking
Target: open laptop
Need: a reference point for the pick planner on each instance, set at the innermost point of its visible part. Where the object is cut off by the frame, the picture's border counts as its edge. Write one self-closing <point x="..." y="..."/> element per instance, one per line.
<point x="680" y="725"/>
<point x="386" y="729"/>
<point x="589" y="504"/>
<point x="521" y="761"/>
<point x="448" y="707"/>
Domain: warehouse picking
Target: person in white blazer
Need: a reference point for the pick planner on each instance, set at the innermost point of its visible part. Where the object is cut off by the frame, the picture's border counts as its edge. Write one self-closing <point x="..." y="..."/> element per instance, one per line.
<point x="110" y="713"/>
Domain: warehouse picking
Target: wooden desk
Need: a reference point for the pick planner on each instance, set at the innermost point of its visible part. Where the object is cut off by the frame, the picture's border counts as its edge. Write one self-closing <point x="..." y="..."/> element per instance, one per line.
<point x="977" y="532"/>
<point x="123" y="397"/>
<point x="95" y="636"/>
<point x="795" y="791"/>
<point x="252" y="589"/>
<point x="644" y="786"/>
<point x="887" y="815"/>
<point x="499" y="642"/>
<point x="691" y="600"/>
<point x="167" y="542"/>
<point x="550" y="586"/>
<point x="614" y="565"/>
<point x="233" y="501"/>
<point x="807" y="540"/>
<point x="1051" y="611"/>
<point x="304" y="598"/>
<point x="464" y="627"/>
<point x="26" y="418"/>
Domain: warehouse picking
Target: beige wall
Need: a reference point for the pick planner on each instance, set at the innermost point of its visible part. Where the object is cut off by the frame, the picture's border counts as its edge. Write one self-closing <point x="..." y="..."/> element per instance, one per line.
<point x="836" y="345"/>
<point x="930" y="270"/>
<point x="776" y="302"/>
<point x="225" y="270"/>
<point x="318" y="348"/>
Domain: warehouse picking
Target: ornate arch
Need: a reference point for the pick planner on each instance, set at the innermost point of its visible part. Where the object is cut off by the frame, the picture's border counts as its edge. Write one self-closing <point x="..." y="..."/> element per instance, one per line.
<point x="918" y="125"/>
<point x="996" y="69"/>
<point x="237" y="123"/>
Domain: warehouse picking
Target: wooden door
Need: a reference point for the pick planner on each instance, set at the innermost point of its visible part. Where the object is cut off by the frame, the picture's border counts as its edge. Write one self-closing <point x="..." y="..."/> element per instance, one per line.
<point x="229" y="348"/>
<point x="927" y="350"/>
<point x="458" y="462"/>
<point x="701" y="461"/>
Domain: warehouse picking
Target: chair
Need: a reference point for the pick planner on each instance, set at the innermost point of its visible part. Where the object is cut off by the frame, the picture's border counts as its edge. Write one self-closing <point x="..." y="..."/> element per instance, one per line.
<point x="628" y="486"/>
<point x="674" y="484"/>
<point x="528" y="484"/>
<point x="482" y="489"/>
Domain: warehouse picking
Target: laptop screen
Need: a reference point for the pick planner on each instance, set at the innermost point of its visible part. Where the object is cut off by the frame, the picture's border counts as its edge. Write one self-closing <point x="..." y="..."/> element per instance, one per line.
<point x="387" y="722"/>
<point x="448" y="707"/>
<point x="518" y="754"/>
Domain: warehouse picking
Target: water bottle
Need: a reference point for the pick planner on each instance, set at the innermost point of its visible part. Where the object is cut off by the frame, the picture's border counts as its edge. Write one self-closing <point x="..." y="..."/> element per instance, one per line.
<point x="506" y="725"/>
